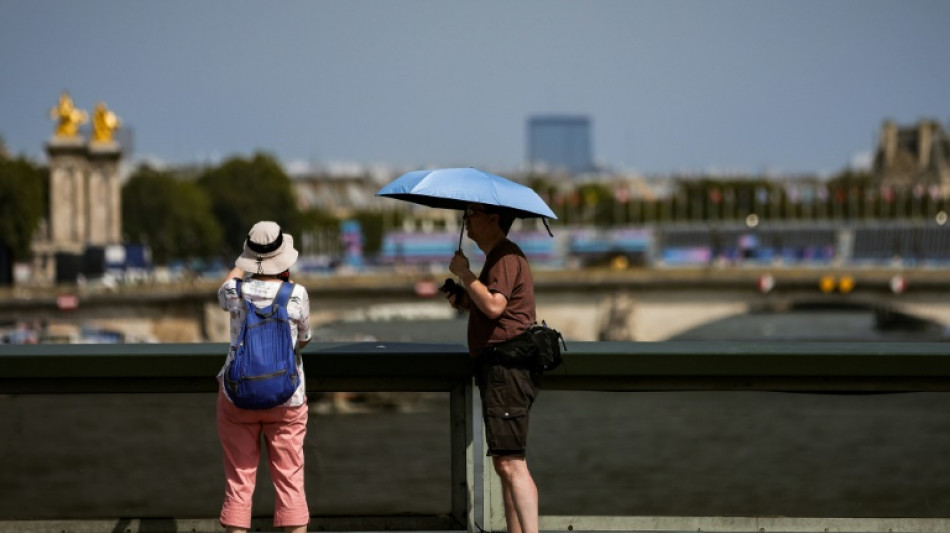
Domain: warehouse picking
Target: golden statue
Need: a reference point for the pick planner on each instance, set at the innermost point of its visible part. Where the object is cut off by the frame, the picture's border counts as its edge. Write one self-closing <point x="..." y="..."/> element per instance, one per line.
<point x="104" y="123"/>
<point x="67" y="117"/>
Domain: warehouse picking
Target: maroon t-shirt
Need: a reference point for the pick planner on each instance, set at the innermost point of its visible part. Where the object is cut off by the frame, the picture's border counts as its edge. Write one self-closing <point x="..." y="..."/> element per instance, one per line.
<point x="506" y="272"/>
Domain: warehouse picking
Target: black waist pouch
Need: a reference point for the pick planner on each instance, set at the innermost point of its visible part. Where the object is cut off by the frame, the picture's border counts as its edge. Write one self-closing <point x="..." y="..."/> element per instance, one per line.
<point x="537" y="348"/>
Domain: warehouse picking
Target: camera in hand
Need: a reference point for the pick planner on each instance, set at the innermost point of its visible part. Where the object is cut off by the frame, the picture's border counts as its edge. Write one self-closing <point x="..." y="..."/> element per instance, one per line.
<point x="450" y="287"/>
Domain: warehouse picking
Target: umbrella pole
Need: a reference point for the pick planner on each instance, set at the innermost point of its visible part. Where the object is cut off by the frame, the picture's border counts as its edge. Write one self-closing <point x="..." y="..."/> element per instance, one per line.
<point x="461" y="234"/>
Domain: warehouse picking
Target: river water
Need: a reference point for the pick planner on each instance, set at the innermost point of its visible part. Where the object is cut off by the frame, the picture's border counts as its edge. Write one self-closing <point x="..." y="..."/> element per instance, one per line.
<point x="848" y="325"/>
<point x="592" y="453"/>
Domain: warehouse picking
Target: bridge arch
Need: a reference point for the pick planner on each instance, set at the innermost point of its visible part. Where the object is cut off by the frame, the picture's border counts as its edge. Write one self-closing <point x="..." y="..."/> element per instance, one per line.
<point x="650" y="316"/>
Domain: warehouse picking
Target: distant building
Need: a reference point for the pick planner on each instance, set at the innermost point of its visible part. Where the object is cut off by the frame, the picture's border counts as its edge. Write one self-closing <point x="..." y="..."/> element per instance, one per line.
<point x="559" y="143"/>
<point x="340" y="196"/>
<point x="911" y="155"/>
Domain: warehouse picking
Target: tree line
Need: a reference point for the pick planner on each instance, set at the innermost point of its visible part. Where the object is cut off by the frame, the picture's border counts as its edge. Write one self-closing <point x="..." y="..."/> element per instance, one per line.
<point x="24" y="189"/>
<point x="178" y="214"/>
<point x="205" y="214"/>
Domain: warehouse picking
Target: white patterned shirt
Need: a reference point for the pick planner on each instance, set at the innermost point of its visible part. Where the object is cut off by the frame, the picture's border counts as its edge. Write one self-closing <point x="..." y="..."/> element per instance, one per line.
<point x="262" y="293"/>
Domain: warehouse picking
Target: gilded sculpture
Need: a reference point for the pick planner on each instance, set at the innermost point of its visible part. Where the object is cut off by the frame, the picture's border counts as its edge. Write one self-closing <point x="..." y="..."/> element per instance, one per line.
<point x="104" y="124"/>
<point x="68" y="118"/>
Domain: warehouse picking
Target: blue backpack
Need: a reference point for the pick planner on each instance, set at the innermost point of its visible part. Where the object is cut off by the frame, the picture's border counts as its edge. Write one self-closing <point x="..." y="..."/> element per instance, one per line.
<point x="263" y="373"/>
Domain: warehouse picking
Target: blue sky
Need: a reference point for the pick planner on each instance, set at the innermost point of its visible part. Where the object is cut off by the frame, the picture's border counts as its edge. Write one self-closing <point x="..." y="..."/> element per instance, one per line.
<point x="784" y="86"/>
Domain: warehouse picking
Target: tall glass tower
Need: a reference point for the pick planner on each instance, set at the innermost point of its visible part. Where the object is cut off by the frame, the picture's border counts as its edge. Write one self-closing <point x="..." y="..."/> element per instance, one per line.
<point x="559" y="143"/>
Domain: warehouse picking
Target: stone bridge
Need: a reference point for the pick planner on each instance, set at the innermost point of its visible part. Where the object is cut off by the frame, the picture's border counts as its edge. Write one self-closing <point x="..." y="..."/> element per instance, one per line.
<point x="641" y="305"/>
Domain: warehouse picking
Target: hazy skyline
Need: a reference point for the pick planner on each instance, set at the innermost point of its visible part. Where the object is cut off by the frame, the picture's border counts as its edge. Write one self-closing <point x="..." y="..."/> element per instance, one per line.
<point x="788" y="87"/>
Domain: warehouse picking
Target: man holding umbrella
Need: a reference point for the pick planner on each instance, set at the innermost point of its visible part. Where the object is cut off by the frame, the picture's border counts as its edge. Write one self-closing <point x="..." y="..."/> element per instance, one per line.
<point x="500" y="302"/>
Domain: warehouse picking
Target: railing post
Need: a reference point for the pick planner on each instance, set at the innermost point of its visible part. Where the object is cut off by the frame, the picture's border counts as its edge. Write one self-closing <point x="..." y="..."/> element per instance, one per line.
<point x="461" y="411"/>
<point x="493" y="503"/>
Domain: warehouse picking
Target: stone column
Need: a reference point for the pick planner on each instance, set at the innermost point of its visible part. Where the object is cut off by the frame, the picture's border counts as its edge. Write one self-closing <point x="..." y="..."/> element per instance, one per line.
<point x="105" y="194"/>
<point x="68" y="203"/>
<point x="85" y="204"/>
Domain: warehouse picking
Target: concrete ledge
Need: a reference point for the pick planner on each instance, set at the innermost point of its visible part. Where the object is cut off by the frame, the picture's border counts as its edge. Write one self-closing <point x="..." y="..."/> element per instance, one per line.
<point x="211" y="525"/>
<point x="731" y="524"/>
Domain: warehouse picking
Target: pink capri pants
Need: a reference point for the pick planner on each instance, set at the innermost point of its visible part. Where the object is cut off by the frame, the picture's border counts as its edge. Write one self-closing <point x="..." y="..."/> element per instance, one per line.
<point x="239" y="431"/>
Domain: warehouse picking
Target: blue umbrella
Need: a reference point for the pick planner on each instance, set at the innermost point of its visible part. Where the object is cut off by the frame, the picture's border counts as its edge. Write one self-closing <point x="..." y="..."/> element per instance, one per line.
<point x="455" y="188"/>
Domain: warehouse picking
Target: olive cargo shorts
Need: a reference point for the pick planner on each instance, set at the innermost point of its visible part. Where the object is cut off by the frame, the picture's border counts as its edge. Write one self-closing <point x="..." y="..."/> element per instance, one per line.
<point x="507" y="395"/>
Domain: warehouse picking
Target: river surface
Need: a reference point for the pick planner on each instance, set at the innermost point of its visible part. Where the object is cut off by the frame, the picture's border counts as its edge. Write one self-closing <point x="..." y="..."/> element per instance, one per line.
<point x="805" y="325"/>
<point x="593" y="453"/>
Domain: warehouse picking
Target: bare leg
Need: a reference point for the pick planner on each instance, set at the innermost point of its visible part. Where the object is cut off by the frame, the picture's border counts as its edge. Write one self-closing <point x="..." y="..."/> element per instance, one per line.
<point x="511" y="513"/>
<point x="520" y="494"/>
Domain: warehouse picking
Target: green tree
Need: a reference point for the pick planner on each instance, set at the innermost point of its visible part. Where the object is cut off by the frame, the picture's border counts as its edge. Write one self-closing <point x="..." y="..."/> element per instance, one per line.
<point x="245" y="191"/>
<point x="24" y="190"/>
<point x="595" y="204"/>
<point x="170" y="215"/>
<point x="317" y="219"/>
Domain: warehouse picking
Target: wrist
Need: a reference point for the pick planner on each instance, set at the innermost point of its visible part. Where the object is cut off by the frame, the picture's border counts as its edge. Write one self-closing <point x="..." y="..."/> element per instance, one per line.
<point x="467" y="278"/>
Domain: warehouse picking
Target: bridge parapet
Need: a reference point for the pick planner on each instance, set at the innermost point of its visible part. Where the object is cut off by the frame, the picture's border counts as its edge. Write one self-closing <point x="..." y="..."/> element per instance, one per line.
<point x="836" y="378"/>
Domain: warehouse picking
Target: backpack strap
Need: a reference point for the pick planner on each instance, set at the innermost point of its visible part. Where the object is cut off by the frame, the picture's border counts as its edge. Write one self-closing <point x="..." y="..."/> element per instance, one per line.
<point x="283" y="294"/>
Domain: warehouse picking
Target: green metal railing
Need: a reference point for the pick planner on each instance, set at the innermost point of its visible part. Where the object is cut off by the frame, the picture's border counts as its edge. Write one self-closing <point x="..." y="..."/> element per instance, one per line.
<point x="824" y="368"/>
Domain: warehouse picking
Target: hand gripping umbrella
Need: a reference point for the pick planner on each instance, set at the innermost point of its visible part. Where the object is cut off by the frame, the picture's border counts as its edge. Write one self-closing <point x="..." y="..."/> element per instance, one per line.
<point x="455" y="188"/>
